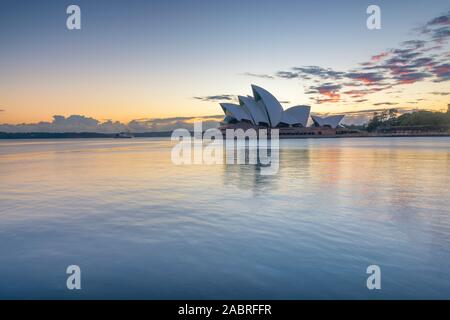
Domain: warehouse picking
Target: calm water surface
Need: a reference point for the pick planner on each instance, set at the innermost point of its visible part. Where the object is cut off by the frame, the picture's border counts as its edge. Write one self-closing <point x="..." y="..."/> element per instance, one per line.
<point x="141" y="227"/>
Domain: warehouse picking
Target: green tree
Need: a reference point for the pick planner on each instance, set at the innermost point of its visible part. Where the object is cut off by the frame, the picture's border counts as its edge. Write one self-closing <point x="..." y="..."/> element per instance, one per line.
<point x="386" y="118"/>
<point x="374" y="123"/>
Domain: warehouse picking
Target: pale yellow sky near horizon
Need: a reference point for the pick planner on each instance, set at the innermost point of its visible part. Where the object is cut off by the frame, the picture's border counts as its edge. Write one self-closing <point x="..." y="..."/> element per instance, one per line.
<point x="125" y="103"/>
<point x="150" y="60"/>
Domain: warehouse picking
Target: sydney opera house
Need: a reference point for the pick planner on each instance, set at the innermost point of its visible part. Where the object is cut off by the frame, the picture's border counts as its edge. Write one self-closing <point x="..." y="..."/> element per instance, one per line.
<point x="263" y="110"/>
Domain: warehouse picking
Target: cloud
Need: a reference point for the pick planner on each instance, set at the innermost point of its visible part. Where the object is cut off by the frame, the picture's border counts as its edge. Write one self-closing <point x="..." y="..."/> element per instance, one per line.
<point x="442" y="72"/>
<point x="385" y="103"/>
<point x="440" y="93"/>
<point x="413" y="60"/>
<point x="402" y="56"/>
<point x="438" y="28"/>
<point x="411" y="77"/>
<point x="443" y="20"/>
<point x="169" y="124"/>
<point x="367" y="78"/>
<point x="78" y="123"/>
<point x="323" y="73"/>
<point x="329" y="91"/>
<point x="287" y="74"/>
<point x="258" y="75"/>
<point x="413" y="44"/>
<point x="379" y="57"/>
<point x="423" y="62"/>
<point x="217" y="98"/>
<point x="309" y="72"/>
<point x="358" y="93"/>
<point x="73" y="123"/>
<point x="441" y="34"/>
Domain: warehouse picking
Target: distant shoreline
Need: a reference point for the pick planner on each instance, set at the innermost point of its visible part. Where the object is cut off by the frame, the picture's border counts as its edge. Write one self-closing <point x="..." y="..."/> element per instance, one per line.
<point x="377" y="135"/>
<point x="75" y="135"/>
<point x="166" y="134"/>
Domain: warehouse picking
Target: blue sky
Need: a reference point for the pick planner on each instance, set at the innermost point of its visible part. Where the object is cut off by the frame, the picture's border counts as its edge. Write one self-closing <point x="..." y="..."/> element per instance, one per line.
<point x="147" y="59"/>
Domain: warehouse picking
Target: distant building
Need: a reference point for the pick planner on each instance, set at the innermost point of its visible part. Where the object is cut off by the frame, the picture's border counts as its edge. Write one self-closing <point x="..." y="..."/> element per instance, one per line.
<point x="331" y="121"/>
<point x="263" y="110"/>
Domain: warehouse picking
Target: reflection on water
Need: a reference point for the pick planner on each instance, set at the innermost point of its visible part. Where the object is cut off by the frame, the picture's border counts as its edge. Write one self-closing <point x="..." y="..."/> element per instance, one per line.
<point x="141" y="227"/>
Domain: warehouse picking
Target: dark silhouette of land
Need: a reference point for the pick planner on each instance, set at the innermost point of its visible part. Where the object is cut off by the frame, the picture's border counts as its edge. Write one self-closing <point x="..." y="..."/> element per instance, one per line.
<point x="424" y="121"/>
<point x="386" y="123"/>
<point x="74" y="135"/>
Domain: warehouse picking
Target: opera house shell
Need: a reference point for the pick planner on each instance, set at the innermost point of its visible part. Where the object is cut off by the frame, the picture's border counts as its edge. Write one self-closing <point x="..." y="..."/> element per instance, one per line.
<point x="263" y="109"/>
<point x="331" y="121"/>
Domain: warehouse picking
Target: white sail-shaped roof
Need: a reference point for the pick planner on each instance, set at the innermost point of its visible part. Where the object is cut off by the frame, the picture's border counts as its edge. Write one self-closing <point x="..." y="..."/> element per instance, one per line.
<point x="235" y="111"/>
<point x="257" y="112"/>
<point x="300" y="114"/>
<point x="265" y="109"/>
<point x="286" y="118"/>
<point x="272" y="105"/>
<point x="332" y="121"/>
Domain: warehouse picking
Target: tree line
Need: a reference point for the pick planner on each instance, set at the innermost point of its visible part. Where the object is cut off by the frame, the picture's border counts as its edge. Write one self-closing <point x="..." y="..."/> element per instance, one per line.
<point x="390" y="118"/>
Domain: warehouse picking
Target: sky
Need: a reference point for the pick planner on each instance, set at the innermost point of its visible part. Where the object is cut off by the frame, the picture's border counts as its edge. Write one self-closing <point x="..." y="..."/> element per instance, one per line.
<point x="160" y="64"/>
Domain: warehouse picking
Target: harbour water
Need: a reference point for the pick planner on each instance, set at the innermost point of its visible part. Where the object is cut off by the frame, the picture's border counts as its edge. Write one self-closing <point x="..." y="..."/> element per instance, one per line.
<point x="141" y="227"/>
